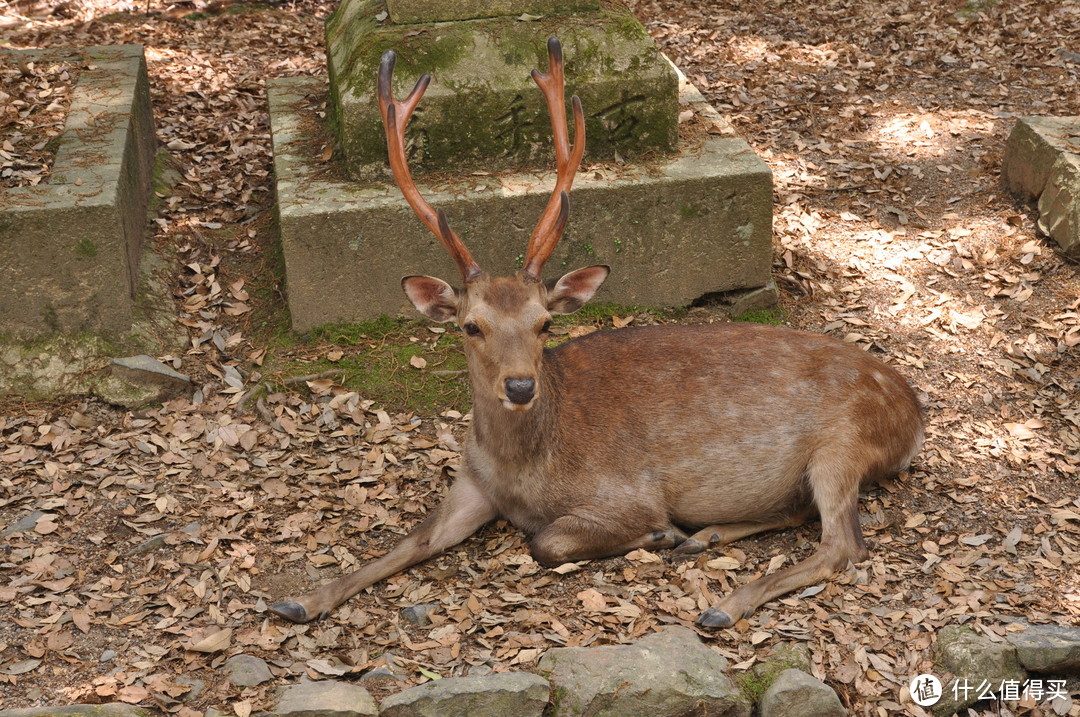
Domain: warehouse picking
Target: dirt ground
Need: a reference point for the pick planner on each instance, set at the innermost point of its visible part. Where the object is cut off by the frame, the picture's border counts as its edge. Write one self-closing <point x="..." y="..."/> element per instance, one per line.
<point x="884" y="125"/>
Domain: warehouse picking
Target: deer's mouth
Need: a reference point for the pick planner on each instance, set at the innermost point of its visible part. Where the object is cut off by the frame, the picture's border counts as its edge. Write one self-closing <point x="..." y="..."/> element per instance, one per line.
<point x="513" y="406"/>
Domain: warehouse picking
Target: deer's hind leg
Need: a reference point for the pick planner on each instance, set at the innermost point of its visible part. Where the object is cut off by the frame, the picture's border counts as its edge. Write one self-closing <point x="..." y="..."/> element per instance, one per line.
<point x="725" y="533"/>
<point x="835" y="485"/>
<point x="571" y="537"/>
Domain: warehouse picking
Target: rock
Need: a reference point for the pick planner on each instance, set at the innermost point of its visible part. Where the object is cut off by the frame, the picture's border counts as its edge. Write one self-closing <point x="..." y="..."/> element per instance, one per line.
<point x="512" y="693"/>
<point x="1042" y="162"/>
<point x="247" y="671"/>
<point x="138" y="380"/>
<point x="975" y="658"/>
<point x="1059" y="204"/>
<point x="324" y="699"/>
<point x="155" y="543"/>
<point x="419" y="615"/>
<point x="1047" y="648"/>
<point x="797" y="694"/>
<point x="382" y="672"/>
<point x="107" y="655"/>
<point x="197" y="688"/>
<point x="667" y="673"/>
<point x="764" y="298"/>
<point x="108" y="710"/>
<point x="23" y="524"/>
<point x="386" y="669"/>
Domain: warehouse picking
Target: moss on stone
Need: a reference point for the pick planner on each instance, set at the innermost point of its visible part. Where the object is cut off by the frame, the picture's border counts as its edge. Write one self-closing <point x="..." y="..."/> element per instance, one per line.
<point x="482" y="110"/>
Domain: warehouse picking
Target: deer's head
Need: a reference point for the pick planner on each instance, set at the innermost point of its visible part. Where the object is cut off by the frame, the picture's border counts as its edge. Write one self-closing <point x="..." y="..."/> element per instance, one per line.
<point x="505" y="319"/>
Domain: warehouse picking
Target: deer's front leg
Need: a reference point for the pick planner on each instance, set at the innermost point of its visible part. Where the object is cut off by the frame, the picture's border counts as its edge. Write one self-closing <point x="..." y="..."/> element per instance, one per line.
<point x="464" y="510"/>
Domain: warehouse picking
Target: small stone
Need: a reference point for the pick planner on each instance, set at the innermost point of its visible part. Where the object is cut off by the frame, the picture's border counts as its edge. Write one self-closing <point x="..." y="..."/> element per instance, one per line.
<point x="155" y="543"/>
<point x="247" y="670"/>
<point x="143" y="379"/>
<point x="325" y="699"/>
<point x="797" y="694"/>
<point x="419" y="615"/>
<point x="197" y="687"/>
<point x="382" y="672"/>
<point x="107" y="655"/>
<point x="387" y="669"/>
<point x="23" y="524"/>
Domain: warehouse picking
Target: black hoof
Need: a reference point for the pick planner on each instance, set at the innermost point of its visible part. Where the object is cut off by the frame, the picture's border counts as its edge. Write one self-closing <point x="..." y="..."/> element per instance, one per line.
<point x="714" y="617"/>
<point x="690" y="547"/>
<point x="290" y="610"/>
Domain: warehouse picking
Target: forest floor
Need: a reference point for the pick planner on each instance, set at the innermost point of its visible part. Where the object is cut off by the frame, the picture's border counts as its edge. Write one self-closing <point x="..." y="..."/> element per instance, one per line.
<point x="884" y="124"/>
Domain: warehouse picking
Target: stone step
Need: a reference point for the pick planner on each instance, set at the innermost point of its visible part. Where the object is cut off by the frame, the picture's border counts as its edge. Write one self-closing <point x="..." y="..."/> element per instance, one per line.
<point x="672" y="229"/>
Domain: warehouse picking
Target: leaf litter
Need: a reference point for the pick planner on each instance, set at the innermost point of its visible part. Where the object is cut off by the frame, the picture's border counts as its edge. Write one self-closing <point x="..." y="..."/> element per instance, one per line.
<point x="141" y="549"/>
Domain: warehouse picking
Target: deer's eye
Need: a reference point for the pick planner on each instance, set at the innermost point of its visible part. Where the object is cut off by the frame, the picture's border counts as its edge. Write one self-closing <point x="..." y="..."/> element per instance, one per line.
<point x="546" y="327"/>
<point x="472" y="329"/>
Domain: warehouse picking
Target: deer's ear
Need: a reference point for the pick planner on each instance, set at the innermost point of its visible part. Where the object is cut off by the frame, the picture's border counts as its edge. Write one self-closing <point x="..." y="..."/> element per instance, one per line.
<point x="573" y="290"/>
<point x="432" y="297"/>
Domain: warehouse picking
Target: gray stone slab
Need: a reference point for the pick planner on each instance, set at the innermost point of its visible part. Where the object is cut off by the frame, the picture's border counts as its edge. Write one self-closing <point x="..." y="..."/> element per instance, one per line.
<point x="1042" y="162"/>
<point x="482" y="110"/>
<point x="1053" y="649"/>
<point x="328" y="698"/>
<point x="666" y="674"/>
<point x="672" y="230"/>
<point x="512" y="693"/>
<point x="416" y="11"/>
<point x="69" y="249"/>
<point x="105" y="710"/>
<point x="1032" y="148"/>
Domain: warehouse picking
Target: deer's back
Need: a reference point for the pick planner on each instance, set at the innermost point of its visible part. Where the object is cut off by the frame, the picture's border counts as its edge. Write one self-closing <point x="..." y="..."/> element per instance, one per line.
<point x="724" y="415"/>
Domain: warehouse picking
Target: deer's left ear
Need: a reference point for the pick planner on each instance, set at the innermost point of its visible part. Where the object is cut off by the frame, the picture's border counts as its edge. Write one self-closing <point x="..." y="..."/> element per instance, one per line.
<point x="573" y="290"/>
<point x="432" y="297"/>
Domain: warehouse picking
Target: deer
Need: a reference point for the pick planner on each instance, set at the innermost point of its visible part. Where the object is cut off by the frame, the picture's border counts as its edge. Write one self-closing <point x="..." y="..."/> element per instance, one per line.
<point x="681" y="437"/>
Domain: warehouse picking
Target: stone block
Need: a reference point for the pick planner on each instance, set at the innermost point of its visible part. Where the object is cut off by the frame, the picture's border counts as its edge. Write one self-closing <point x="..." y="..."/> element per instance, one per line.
<point x="1042" y="162"/>
<point x="1053" y="649"/>
<point x="670" y="673"/>
<point x="672" y="229"/>
<point x="327" y="698"/>
<point x="1059" y="205"/>
<point x="70" y="249"/>
<point x="797" y="694"/>
<point x="513" y="693"/>
<point x="417" y="11"/>
<point x="482" y="110"/>
<point x="1032" y="148"/>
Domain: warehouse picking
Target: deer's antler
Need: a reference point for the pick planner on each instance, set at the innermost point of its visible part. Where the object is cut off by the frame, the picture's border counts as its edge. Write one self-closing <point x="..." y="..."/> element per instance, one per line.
<point x="549" y="229"/>
<point x="395" y="117"/>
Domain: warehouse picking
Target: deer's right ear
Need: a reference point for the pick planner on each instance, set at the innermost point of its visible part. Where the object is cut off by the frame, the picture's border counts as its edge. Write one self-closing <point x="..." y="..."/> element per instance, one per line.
<point x="432" y="297"/>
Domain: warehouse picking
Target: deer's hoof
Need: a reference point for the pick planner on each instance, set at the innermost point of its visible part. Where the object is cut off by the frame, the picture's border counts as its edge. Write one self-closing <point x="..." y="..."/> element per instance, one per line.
<point x="714" y="617"/>
<point x="690" y="547"/>
<point x="290" y="610"/>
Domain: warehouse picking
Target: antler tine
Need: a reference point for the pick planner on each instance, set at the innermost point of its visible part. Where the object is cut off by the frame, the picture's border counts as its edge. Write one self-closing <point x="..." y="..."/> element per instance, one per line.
<point x="549" y="229"/>
<point x="395" y="118"/>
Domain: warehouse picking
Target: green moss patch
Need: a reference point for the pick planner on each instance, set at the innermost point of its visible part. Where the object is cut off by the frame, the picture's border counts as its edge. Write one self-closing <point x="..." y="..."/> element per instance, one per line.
<point x="398" y="363"/>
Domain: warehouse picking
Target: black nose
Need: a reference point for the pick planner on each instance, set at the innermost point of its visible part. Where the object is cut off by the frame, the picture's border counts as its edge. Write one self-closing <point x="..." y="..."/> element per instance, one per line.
<point x="520" y="390"/>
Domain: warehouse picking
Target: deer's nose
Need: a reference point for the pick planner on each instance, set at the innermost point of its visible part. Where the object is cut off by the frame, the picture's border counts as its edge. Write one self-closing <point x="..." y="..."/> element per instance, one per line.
<point x="520" y="390"/>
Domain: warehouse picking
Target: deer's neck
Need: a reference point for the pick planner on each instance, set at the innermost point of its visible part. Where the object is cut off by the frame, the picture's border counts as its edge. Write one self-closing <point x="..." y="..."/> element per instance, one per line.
<point x="517" y="438"/>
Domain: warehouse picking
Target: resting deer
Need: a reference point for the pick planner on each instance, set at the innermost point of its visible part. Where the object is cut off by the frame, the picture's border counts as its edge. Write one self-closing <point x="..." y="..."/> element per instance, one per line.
<point x="682" y="437"/>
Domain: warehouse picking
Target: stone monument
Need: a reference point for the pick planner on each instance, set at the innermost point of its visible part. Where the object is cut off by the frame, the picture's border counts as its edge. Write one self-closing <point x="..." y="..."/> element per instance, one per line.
<point x="667" y="195"/>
